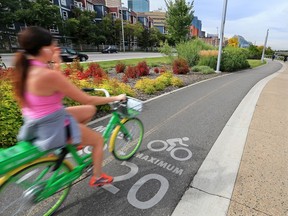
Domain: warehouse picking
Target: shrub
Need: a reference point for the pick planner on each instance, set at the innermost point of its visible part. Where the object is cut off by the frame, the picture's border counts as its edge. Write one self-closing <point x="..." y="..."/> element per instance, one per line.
<point x="142" y="69"/>
<point x="176" y="82"/>
<point x="165" y="78"/>
<point x="180" y="66"/>
<point x="125" y="78"/>
<point x="131" y="72"/>
<point x="234" y="59"/>
<point x="208" y="53"/>
<point x="254" y="52"/>
<point x="156" y="70"/>
<point x="210" y="61"/>
<point x="10" y="117"/>
<point x="150" y="86"/>
<point x="159" y="85"/>
<point x="75" y="66"/>
<point x="120" y="67"/>
<point x="203" y="69"/>
<point x="95" y="72"/>
<point x="67" y="72"/>
<point x="115" y="87"/>
<point x="190" y="50"/>
<point x="208" y="58"/>
<point x="167" y="50"/>
<point x="146" y="85"/>
<point x="163" y="69"/>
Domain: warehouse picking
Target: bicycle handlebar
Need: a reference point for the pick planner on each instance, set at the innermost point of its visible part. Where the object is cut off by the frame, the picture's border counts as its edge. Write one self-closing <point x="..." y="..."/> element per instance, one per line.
<point x="114" y="105"/>
<point x="95" y="89"/>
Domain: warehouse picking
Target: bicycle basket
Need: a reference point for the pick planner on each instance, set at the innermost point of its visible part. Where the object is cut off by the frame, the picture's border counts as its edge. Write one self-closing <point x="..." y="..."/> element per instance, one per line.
<point x="132" y="108"/>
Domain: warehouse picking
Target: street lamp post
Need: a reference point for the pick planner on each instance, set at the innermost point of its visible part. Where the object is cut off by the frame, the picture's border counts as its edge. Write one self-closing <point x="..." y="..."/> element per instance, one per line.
<point x="263" y="52"/>
<point x="123" y="39"/>
<point x="221" y="36"/>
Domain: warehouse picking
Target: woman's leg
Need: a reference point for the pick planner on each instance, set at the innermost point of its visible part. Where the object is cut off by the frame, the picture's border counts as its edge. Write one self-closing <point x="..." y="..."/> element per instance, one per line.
<point x="82" y="114"/>
<point x="95" y="140"/>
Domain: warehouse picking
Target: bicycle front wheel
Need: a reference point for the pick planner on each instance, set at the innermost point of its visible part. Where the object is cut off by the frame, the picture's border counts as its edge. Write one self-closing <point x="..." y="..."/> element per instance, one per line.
<point x="126" y="139"/>
<point x="18" y="191"/>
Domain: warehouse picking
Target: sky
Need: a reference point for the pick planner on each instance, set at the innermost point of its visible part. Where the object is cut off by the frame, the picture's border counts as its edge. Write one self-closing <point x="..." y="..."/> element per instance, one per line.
<point x="248" y="18"/>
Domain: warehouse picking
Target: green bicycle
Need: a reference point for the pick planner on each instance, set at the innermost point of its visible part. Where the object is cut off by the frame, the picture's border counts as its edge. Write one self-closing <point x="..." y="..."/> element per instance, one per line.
<point x="33" y="182"/>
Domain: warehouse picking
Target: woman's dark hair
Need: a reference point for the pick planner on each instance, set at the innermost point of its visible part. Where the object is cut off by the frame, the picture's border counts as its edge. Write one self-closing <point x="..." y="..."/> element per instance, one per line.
<point x="31" y="40"/>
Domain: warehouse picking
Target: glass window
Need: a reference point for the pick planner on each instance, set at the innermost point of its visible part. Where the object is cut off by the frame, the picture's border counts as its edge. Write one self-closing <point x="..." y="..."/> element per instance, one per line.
<point x="63" y="2"/>
<point x="65" y="15"/>
<point x="54" y="29"/>
<point x="12" y="26"/>
<point x="90" y="7"/>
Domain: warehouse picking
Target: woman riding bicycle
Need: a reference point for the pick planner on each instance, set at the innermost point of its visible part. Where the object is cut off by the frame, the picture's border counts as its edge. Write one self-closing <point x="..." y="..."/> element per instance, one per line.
<point x="39" y="90"/>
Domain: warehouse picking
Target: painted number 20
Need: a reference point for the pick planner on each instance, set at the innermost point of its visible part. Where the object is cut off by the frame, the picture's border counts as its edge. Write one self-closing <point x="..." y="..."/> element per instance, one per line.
<point x="131" y="196"/>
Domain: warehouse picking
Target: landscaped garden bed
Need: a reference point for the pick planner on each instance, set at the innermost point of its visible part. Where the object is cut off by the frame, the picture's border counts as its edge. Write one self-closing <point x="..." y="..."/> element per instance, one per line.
<point x="137" y="78"/>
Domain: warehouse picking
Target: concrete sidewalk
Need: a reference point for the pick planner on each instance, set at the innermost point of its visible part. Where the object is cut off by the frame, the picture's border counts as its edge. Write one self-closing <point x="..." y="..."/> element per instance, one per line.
<point x="262" y="183"/>
<point x="246" y="171"/>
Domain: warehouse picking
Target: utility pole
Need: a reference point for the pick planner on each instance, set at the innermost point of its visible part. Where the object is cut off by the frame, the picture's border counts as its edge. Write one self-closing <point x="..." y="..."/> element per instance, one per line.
<point x="123" y="39"/>
<point x="221" y="36"/>
<point x="263" y="52"/>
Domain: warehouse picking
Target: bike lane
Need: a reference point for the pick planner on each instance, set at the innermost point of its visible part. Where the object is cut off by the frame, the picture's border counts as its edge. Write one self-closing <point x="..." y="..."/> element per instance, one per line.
<point x="180" y="129"/>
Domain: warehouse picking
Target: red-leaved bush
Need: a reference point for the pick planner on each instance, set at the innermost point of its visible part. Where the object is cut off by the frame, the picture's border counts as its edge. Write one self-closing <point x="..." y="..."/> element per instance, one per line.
<point x="131" y="72"/>
<point x="163" y="70"/>
<point x="125" y="78"/>
<point x="156" y="70"/>
<point x="120" y="67"/>
<point x="67" y="72"/>
<point x="142" y="69"/>
<point x="93" y="71"/>
<point x="180" y="66"/>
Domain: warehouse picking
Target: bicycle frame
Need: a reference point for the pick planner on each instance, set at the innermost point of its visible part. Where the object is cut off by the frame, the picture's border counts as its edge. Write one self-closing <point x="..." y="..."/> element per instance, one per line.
<point x="59" y="180"/>
<point x="114" y="121"/>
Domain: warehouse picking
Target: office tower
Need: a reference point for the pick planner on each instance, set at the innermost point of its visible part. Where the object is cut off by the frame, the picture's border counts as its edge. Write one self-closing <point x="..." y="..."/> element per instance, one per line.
<point x="139" y="5"/>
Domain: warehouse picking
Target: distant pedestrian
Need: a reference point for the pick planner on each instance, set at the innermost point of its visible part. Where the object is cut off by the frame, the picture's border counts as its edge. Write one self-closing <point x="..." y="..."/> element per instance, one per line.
<point x="285" y="58"/>
<point x="273" y="57"/>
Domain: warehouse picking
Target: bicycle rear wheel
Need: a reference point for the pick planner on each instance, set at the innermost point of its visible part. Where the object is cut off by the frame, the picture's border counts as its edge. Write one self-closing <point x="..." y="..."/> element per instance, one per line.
<point x="18" y="191"/>
<point x="127" y="139"/>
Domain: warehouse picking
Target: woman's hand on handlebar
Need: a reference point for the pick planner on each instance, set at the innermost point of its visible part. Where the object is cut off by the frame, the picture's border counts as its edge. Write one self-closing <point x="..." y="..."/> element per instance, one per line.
<point x="121" y="97"/>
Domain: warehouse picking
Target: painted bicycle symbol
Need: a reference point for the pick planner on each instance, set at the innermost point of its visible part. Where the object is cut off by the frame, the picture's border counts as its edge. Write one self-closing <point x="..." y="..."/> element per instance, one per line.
<point x="170" y="145"/>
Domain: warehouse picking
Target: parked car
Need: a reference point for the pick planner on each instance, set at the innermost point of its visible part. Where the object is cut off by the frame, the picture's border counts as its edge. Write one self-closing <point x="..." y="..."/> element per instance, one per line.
<point x="2" y="64"/>
<point x="68" y="55"/>
<point x="110" y="49"/>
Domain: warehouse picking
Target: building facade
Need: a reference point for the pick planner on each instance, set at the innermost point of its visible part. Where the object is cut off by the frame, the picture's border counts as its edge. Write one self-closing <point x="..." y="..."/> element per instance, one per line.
<point x="196" y="27"/>
<point x="158" y="20"/>
<point x="139" y="5"/>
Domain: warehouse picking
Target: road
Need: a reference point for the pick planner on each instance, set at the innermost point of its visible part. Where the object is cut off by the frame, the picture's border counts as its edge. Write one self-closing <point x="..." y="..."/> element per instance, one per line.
<point x="94" y="57"/>
<point x="153" y="182"/>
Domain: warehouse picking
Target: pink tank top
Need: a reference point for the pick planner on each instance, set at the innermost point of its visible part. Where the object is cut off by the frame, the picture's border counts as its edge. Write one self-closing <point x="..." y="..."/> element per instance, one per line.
<point x="41" y="106"/>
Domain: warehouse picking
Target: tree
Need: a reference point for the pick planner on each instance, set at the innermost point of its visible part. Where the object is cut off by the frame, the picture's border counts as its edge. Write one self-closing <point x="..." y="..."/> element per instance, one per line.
<point x="254" y="52"/>
<point x="233" y="42"/>
<point x="133" y="31"/>
<point x="81" y="27"/>
<point x="150" y="38"/>
<point x="7" y="11"/>
<point x="107" y="30"/>
<point x="39" y="13"/>
<point x="178" y="19"/>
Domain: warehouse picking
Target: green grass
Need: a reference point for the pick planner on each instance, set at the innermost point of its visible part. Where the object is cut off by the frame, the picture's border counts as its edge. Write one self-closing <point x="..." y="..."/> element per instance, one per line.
<point x="255" y="63"/>
<point x="152" y="62"/>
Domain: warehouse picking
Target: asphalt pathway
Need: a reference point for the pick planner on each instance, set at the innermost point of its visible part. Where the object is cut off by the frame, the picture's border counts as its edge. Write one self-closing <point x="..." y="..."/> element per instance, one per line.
<point x="180" y="129"/>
